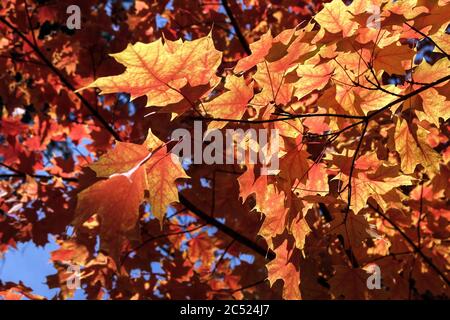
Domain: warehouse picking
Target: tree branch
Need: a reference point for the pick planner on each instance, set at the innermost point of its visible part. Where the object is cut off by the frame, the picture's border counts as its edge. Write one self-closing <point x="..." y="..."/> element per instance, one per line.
<point x="62" y="78"/>
<point x="267" y="253"/>
<point x="407" y="96"/>
<point x="236" y="27"/>
<point x="19" y="174"/>
<point x="352" y="167"/>
<point x="429" y="38"/>
<point x="290" y="117"/>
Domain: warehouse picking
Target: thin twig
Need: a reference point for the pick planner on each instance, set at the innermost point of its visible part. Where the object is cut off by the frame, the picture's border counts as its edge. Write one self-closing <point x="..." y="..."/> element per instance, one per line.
<point x="236" y="27"/>
<point x="429" y="38"/>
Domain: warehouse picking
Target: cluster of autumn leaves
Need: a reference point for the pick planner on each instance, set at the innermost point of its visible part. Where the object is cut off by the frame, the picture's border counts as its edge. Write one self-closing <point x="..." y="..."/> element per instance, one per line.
<point x="322" y="79"/>
<point x="361" y="109"/>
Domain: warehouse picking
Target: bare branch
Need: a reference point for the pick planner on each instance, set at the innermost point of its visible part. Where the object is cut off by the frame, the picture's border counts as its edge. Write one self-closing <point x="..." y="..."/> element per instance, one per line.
<point x="236" y="27"/>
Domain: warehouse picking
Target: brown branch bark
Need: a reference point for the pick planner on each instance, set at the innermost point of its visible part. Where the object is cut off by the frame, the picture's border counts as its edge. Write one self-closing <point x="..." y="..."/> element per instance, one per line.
<point x="19" y="174"/>
<point x="352" y="168"/>
<point x="267" y="253"/>
<point x="236" y="27"/>
<point x="63" y="79"/>
<point x="288" y="117"/>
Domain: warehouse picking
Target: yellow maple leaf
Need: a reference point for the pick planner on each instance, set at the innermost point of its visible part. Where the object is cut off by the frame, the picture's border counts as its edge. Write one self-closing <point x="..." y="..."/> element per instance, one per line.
<point x="162" y="170"/>
<point x="435" y="106"/>
<point x="426" y="73"/>
<point x="229" y="105"/>
<point x="312" y="78"/>
<point x="282" y="268"/>
<point x="159" y="71"/>
<point x="259" y="50"/>
<point x="335" y="17"/>
<point x="414" y="150"/>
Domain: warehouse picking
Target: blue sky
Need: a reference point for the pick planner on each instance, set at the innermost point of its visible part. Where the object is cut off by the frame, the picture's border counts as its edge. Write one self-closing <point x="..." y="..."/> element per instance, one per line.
<point x="31" y="265"/>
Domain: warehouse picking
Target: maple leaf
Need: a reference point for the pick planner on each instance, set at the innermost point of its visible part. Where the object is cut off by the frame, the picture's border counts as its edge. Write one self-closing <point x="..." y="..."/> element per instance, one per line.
<point x="393" y="59"/>
<point x="352" y="227"/>
<point x="12" y="291"/>
<point x="162" y="170"/>
<point x="413" y="150"/>
<point x="295" y="165"/>
<point x="124" y="157"/>
<point x="370" y="100"/>
<point x="335" y="17"/>
<point x="70" y="251"/>
<point x="341" y="97"/>
<point x="259" y="49"/>
<point x="317" y="182"/>
<point x="300" y="230"/>
<point x="271" y="204"/>
<point x="408" y="8"/>
<point x="312" y="78"/>
<point x="426" y="73"/>
<point x="349" y="283"/>
<point x="365" y="185"/>
<point x="229" y="105"/>
<point x="441" y="39"/>
<point x="289" y="49"/>
<point x="117" y="217"/>
<point x="159" y="71"/>
<point x="282" y="268"/>
<point x="274" y="84"/>
<point x="130" y="169"/>
<point x="435" y="106"/>
<point x="246" y="182"/>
